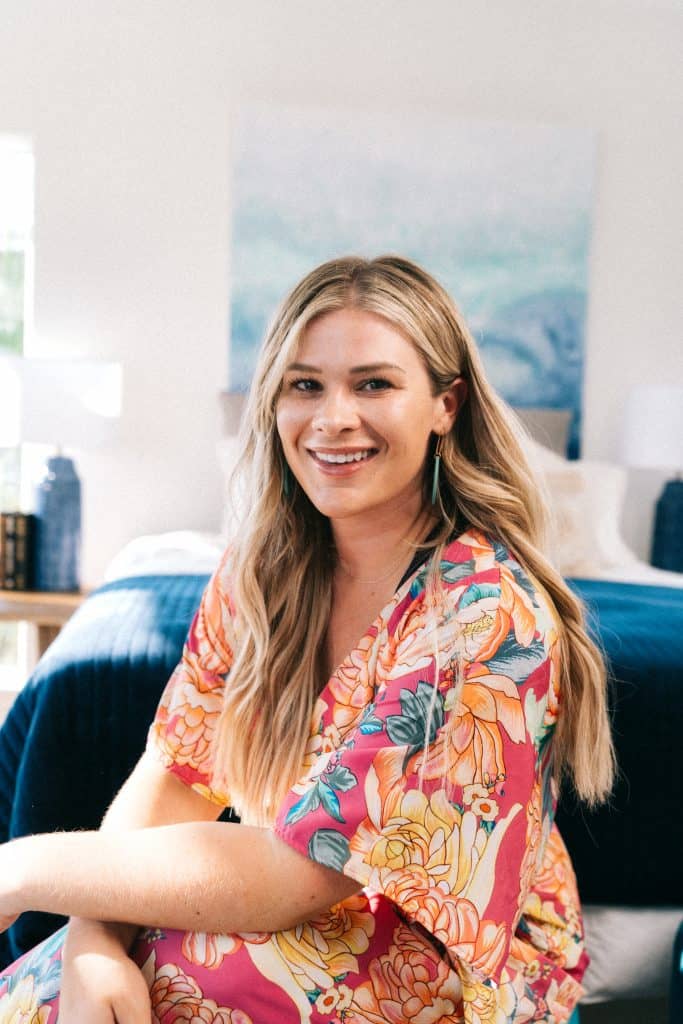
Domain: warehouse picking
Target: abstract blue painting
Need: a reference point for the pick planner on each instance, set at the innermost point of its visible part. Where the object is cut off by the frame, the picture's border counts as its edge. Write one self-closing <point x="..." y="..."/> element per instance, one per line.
<point x="498" y="211"/>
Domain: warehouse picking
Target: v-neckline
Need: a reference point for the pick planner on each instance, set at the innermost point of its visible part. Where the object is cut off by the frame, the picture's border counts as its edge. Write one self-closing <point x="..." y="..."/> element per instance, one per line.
<point x="419" y="560"/>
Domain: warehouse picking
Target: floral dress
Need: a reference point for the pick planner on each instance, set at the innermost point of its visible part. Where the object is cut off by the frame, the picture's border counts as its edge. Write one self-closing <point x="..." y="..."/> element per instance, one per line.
<point x="469" y="908"/>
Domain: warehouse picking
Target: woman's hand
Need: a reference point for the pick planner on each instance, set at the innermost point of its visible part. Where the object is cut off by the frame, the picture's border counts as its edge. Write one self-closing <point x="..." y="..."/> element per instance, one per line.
<point x="100" y="983"/>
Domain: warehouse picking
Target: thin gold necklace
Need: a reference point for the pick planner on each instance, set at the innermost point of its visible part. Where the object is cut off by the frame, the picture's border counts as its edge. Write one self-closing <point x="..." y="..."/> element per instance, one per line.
<point x="375" y="579"/>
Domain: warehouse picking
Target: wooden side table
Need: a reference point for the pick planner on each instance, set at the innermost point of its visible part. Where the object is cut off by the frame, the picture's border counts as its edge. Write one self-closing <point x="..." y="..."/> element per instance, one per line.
<point x="46" y="610"/>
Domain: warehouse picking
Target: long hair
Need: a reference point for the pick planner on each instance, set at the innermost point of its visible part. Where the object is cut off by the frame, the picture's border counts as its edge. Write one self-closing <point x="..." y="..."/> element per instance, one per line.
<point x="282" y="557"/>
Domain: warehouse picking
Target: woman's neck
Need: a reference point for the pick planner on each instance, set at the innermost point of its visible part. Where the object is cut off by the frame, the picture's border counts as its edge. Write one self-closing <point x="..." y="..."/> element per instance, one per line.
<point x="372" y="548"/>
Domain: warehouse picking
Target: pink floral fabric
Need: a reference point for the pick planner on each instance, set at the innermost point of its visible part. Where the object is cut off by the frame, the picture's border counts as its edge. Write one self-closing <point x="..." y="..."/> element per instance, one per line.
<point x="426" y="780"/>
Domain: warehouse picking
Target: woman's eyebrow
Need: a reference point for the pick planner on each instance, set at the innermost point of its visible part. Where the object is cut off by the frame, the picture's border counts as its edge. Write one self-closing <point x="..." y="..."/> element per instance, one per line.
<point x="375" y="367"/>
<point x="366" y="368"/>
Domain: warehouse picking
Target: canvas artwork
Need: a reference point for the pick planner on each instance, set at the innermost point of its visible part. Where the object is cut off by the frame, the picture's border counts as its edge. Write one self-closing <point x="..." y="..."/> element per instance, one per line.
<point x="499" y="212"/>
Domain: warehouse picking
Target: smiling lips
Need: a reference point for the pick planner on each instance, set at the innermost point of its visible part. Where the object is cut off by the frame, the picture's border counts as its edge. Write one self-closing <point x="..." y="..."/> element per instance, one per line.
<point x="336" y="461"/>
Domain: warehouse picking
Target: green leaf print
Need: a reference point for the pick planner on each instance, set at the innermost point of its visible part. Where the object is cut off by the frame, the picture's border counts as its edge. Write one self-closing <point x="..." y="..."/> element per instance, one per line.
<point x="310" y="801"/>
<point x="454" y="571"/>
<point x="328" y="846"/>
<point x="514" y="661"/>
<point x="477" y="592"/>
<point x="330" y="801"/>
<point x="505" y="558"/>
<point x="341" y="779"/>
<point x="409" y="727"/>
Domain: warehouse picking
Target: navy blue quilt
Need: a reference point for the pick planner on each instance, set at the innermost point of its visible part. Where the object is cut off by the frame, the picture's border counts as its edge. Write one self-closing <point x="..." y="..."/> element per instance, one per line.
<point x="80" y="723"/>
<point x="630" y="851"/>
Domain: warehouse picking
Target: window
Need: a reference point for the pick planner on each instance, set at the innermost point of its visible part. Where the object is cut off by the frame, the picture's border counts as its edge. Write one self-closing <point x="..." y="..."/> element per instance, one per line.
<point x="16" y="304"/>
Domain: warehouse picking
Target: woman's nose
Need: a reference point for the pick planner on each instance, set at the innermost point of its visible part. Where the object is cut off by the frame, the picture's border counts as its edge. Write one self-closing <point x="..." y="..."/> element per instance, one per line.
<point x="336" y="411"/>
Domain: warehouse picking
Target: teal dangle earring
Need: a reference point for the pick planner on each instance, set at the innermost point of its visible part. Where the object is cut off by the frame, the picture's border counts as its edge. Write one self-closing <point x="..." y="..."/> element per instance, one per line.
<point x="437" y="468"/>
<point x="287" y="481"/>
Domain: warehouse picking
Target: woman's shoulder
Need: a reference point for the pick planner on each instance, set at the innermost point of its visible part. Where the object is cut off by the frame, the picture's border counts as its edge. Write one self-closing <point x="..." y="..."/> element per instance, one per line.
<point x="483" y="586"/>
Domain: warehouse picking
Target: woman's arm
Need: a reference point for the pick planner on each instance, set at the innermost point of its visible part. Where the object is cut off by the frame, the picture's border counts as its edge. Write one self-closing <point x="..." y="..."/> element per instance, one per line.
<point x="150" y="796"/>
<point x="100" y="983"/>
<point x="207" y="876"/>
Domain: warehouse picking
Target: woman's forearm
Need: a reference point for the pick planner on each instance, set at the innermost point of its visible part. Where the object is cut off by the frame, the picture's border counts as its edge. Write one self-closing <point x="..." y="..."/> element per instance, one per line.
<point x="203" y="876"/>
<point x="151" y="796"/>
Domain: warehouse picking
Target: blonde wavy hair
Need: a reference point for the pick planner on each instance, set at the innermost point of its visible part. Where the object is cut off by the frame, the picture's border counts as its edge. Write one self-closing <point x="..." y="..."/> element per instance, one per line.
<point x="282" y="556"/>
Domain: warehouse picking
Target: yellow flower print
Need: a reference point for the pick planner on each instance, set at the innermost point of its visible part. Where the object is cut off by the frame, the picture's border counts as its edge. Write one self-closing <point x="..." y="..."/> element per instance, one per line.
<point x="514" y="1003"/>
<point x="421" y="852"/>
<point x="21" y="1005"/>
<point x="318" y="951"/>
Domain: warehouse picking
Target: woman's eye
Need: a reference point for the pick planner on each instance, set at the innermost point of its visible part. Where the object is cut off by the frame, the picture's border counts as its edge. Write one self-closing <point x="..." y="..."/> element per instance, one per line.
<point x="375" y="384"/>
<point x="305" y="384"/>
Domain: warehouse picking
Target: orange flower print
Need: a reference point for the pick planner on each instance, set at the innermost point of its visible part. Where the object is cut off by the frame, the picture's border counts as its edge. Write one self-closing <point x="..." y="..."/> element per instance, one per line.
<point x="421" y="852"/>
<point x="411" y="984"/>
<point x="468" y="750"/>
<point x="480" y="549"/>
<point x="208" y="950"/>
<point x="185" y="727"/>
<point x="177" y="997"/>
<point x="554" y="654"/>
<point x="353" y="684"/>
<point x="411" y="648"/>
<point x="212" y="636"/>
<point x="561" y="999"/>
<point x="556" y="876"/>
<point x="482" y="944"/>
<point x="534" y="841"/>
<point x="318" y="951"/>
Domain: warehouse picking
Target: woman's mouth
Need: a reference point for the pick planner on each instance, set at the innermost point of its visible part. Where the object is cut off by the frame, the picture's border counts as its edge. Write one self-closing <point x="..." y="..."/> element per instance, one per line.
<point x="341" y="461"/>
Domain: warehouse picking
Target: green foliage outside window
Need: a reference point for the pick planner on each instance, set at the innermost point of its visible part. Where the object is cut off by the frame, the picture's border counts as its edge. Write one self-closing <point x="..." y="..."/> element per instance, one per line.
<point x="11" y="340"/>
<point x="11" y="301"/>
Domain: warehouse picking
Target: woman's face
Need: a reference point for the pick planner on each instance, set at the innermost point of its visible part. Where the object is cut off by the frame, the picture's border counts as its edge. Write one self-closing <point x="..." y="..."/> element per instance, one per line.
<point x="355" y="415"/>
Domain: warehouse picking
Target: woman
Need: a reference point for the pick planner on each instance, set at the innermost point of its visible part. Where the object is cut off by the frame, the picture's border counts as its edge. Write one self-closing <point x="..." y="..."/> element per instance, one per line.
<point x="396" y="858"/>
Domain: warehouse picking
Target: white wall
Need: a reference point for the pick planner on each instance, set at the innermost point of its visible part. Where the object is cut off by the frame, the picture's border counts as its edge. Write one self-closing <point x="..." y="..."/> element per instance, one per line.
<point x="129" y="105"/>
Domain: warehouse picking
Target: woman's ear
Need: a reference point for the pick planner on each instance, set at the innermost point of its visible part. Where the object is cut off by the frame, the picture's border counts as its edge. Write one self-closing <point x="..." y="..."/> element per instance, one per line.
<point x="450" y="402"/>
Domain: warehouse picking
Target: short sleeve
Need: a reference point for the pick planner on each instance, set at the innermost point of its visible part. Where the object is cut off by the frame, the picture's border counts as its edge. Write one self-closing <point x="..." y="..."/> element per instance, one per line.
<point x="182" y="732"/>
<point x="446" y="830"/>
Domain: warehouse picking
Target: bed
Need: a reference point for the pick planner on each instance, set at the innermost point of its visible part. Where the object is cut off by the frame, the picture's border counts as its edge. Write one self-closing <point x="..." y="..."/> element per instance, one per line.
<point x="79" y="725"/>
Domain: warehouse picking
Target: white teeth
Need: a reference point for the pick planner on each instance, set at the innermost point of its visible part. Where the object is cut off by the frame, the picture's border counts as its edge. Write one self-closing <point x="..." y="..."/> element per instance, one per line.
<point x="351" y="457"/>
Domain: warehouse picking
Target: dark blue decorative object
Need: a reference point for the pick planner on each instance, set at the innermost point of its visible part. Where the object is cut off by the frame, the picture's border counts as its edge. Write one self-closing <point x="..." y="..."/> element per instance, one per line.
<point x="667" y="543"/>
<point x="676" y="992"/>
<point x="58" y="526"/>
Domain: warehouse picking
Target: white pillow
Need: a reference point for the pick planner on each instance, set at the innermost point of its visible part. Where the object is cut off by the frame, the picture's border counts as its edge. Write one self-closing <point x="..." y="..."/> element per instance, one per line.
<point x="586" y="499"/>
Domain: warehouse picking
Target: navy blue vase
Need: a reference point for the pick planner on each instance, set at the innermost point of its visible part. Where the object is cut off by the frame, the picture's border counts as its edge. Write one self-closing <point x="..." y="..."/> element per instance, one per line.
<point x="58" y="526"/>
<point x="667" y="541"/>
